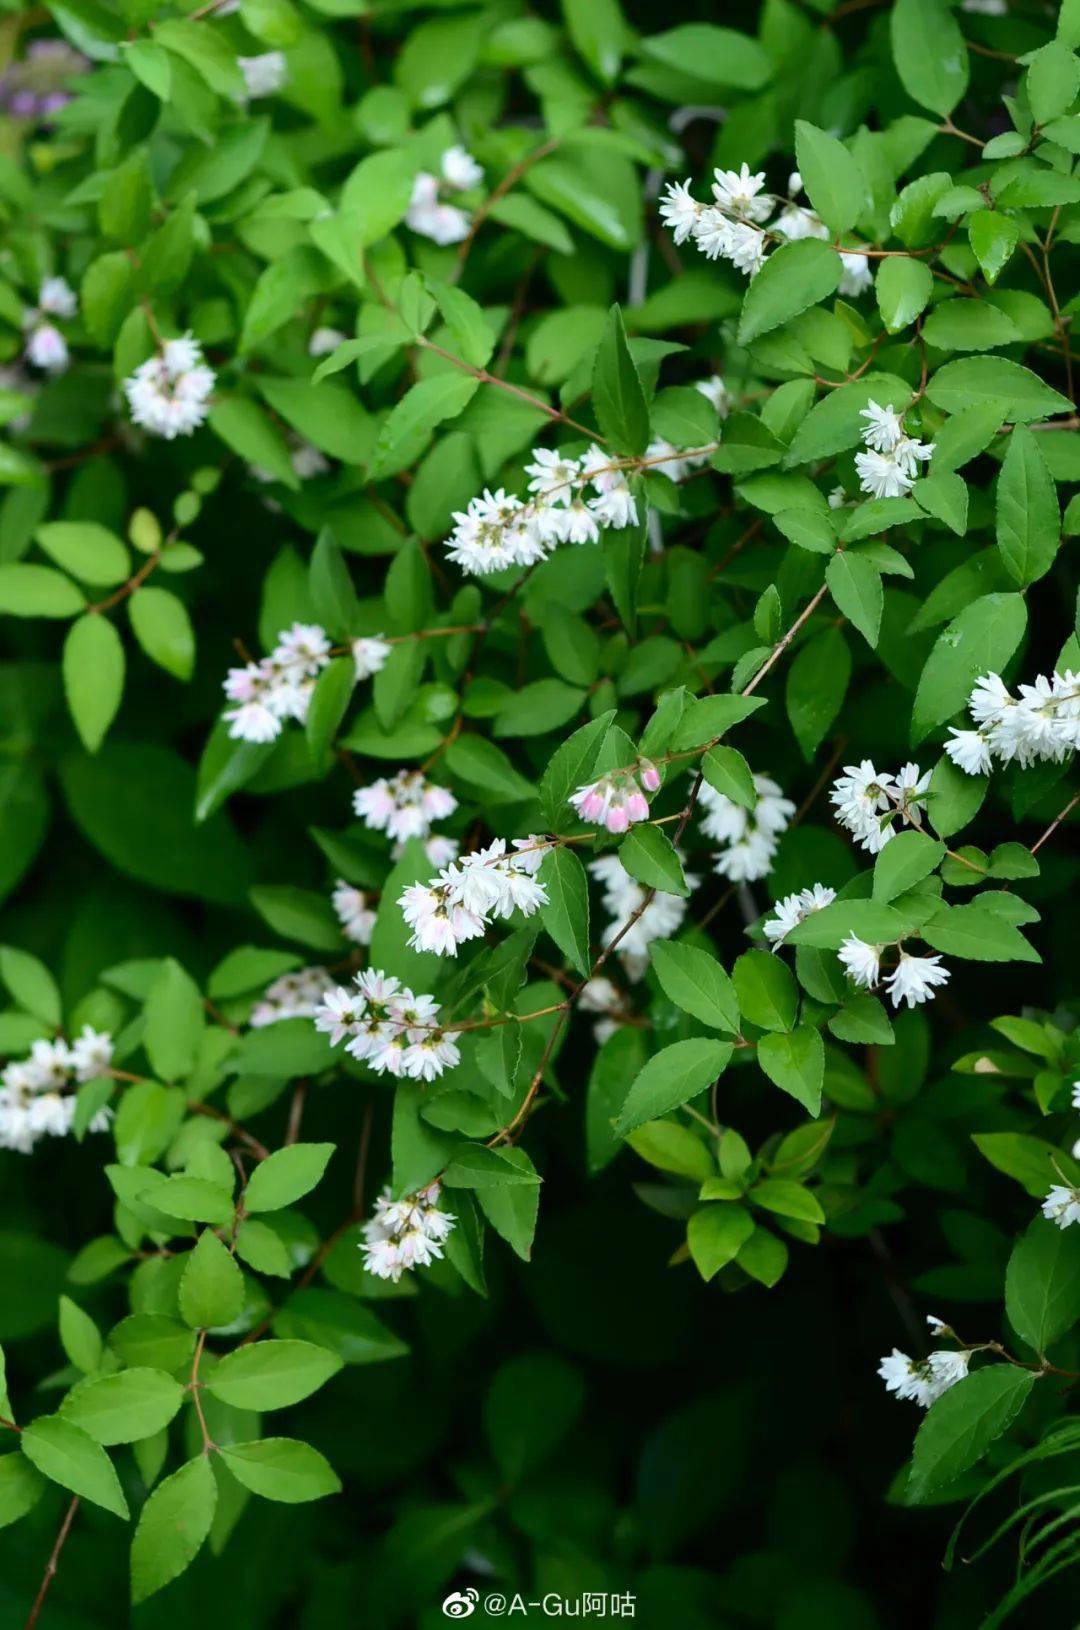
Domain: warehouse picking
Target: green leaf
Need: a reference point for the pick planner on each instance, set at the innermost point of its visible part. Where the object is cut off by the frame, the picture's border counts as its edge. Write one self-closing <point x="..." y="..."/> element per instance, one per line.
<point x="86" y="551"/>
<point x="794" y="277"/>
<point x="710" y="717"/>
<point x="833" y="181"/>
<point x="648" y="854"/>
<point x="512" y="1208"/>
<point x="715" y="1235"/>
<point x="906" y="859"/>
<point x="766" y="991"/>
<point x="599" y="35"/>
<point x="329" y="704"/>
<point x="67" y="1455"/>
<point x="1042" y="1284"/>
<point x="817" y="683"/>
<point x="696" y="982"/>
<point x="481" y="764"/>
<point x="298" y="914"/>
<point x="1028" y="518"/>
<point x="124" y="1407"/>
<point x="993" y="237"/>
<point x="172" y="1528"/>
<point x="281" y="1469"/>
<point x="855" y="585"/>
<point x="934" y="77"/>
<point x="477" y="1167"/>
<point x="903" y="288"/>
<point x="249" y="432"/>
<point x="286" y="1176"/>
<point x="174" y="1022"/>
<point x="618" y="398"/>
<point x="93" y="668"/>
<point x="1053" y="79"/>
<point x="572" y="765"/>
<point x="969" y="325"/>
<point x="272" y="1374"/>
<point x="977" y="932"/>
<point x="38" y="591"/>
<point x="786" y="1199"/>
<point x="796" y="1064"/>
<point x="79" y="1337"/>
<point x="980" y="640"/>
<point x="670" y="1078"/>
<point x="1033" y="1162"/>
<point x="31" y="984"/>
<point x="411" y="421"/>
<point x="161" y="624"/>
<point x="719" y="56"/>
<point x="994" y="382"/>
<point x="566" y="913"/>
<point x="21" y="1487"/>
<point x="211" y="1285"/>
<point x="725" y="769"/>
<point x="962" y="1424"/>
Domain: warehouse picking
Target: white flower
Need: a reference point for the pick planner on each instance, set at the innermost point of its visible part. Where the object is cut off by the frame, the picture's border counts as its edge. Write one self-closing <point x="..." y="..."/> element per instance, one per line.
<point x="440" y="850"/>
<point x="947" y="1368"/>
<point x="860" y="796"/>
<point x="552" y="475"/>
<point x="969" y="751"/>
<point x="622" y="896"/>
<point x="909" y="454"/>
<point x="253" y="718"/>
<point x="169" y="394"/>
<point x="1062" y="1205"/>
<point x="989" y="699"/>
<point x="712" y="233"/>
<point x="325" y="340"/>
<point x="57" y="298"/>
<point x="389" y="1028"/>
<point x="882" y="476"/>
<point x="354" y="913"/>
<point x="746" y="247"/>
<point x="750" y="836"/>
<point x="598" y="995"/>
<point x="715" y="391"/>
<point x="794" y="909"/>
<point x="862" y="961"/>
<point x="679" y="210"/>
<point x="460" y="170"/>
<point x="339" y="1013"/>
<point x="46" y="348"/>
<point x="91" y="1053"/>
<point x="369" y="654"/>
<point x="837" y="498"/>
<point x="403" y="805"/>
<point x="914" y="978"/>
<point x="1076" y="1095"/>
<point x="577" y="523"/>
<point x="264" y="75"/>
<point x="795" y="223"/>
<point x="909" y="789"/>
<point x="426" y="215"/>
<point x="884" y="429"/>
<point x="907" y="1377"/>
<point x="741" y="193"/>
<point x="856" y="276"/>
<point x="437" y="915"/>
<point x="667" y="460"/>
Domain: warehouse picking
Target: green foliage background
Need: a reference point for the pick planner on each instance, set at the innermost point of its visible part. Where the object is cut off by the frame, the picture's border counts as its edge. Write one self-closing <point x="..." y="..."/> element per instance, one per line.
<point x="577" y="1412"/>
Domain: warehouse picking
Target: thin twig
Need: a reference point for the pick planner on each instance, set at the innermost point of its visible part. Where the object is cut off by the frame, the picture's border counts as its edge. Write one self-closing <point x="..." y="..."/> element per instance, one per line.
<point x="50" y="1567"/>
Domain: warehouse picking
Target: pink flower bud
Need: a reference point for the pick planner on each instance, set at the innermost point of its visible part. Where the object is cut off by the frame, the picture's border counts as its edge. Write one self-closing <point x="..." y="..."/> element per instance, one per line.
<point x="617" y="818"/>
<point x="649" y="775"/>
<point x="637" y="806"/>
<point x="592" y="806"/>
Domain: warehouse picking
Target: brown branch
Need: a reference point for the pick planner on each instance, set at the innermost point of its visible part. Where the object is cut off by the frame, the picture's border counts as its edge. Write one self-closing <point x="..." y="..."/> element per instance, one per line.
<point x="51" y="1566"/>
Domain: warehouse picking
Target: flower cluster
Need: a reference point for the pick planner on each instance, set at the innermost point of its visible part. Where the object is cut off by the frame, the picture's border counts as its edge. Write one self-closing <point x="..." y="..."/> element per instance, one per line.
<point x="913" y="980"/>
<point x="869" y="801"/>
<point x="924" y="1379"/>
<point x="616" y="800"/>
<point x="34" y="89"/>
<point x="264" y="694"/>
<point x="35" y="1096"/>
<point x="888" y="467"/>
<point x="264" y="75"/>
<point x="387" y="1027"/>
<point x="572" y="501"/>
<point x="46" y="348"/>
<point x="169" y="394"/>
<point x="736" y="225"/>
<point x="428" y="214"/>
<point x="1042" y="723"/>
<point x="793" y="909"/>
<point x="622" y="896"/>
<point x="293" y="996"/>
<point x="604" y="998"/>
<point x="750" y="836"/>
<point x="354" y="912"/>
<point x="458" y="904"/>
<point x="405" y="1233"/>
<point x="403" y="805"/>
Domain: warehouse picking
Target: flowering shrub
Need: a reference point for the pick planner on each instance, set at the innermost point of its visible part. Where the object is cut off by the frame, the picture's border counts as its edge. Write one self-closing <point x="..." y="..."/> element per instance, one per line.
<point x="540" y="706"/>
